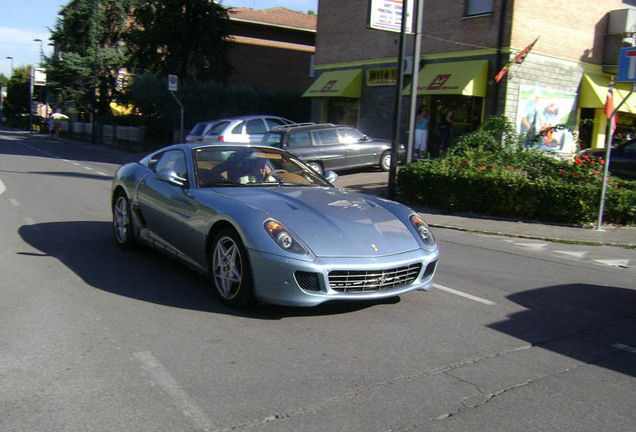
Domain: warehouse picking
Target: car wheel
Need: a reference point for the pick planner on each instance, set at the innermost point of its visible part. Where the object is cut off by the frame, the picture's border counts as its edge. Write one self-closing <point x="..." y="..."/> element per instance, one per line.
<point x="122" y="222"/>
<point x="316" y="167"/>
<point x="230" y="270"/>
<point x="385" y="161"/>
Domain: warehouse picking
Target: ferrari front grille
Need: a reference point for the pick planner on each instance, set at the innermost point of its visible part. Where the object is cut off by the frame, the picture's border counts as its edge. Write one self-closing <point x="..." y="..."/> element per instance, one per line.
<point x="351" y="281"/>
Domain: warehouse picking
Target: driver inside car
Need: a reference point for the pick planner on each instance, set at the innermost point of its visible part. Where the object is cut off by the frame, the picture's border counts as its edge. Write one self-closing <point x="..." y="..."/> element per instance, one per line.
<point x="258" y="171"/>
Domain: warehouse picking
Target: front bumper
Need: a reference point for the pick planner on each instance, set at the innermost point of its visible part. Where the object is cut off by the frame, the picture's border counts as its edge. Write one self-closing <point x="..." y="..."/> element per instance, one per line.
<point x="276" y="277"/>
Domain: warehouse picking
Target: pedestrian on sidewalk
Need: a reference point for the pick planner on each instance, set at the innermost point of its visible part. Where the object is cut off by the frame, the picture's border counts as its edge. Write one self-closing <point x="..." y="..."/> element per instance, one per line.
<point x="421" y="132"/>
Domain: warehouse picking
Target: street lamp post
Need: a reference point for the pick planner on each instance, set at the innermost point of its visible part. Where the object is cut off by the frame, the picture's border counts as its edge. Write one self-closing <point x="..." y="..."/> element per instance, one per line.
<point x="41" y="50"/>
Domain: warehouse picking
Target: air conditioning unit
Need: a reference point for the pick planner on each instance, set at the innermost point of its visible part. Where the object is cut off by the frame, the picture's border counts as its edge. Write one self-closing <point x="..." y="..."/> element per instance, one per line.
<point x="407" y="67"/>
<point x="621" y="29"/>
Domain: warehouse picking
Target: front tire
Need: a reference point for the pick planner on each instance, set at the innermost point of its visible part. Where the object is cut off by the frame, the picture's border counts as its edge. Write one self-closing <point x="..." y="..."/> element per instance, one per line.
<point x="385" y="161"/>
<point x="123" y="227"/>
<point x="230" y="270"/>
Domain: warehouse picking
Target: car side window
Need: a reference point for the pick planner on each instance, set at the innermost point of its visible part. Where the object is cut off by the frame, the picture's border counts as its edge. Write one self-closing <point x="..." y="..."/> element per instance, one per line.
<point x="630" y="149"/>
<point x="273" y="122"/>
<point x="299" y="139"/>
<point x="326" y="137"/>
<point x="173" y="159"/>
<point x="217" y="128"/>
<point x="273" y="139"/>
<point x="255" y="126"/>
<point x="238" y="129"/>
<point x="350" y="135"/>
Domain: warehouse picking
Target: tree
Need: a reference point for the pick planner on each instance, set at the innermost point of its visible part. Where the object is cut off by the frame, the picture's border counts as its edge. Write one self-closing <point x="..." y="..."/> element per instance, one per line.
<point x="188" y="38"/>
<point x="17" y="101"/>
<point x="90" y="53"/>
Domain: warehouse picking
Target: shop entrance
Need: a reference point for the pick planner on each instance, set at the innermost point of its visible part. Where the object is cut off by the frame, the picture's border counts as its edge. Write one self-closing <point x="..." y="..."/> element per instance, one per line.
<point x="466" y="117"/>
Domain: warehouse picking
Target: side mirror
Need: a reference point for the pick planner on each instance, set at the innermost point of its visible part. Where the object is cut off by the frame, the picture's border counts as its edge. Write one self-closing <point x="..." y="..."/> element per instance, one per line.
<point x="169" y="175"/>
<point x="331" y="176"/>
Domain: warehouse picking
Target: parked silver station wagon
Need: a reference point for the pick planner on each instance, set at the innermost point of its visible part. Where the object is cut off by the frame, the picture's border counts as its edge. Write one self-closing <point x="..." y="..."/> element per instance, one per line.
<point x="327" y="146"/>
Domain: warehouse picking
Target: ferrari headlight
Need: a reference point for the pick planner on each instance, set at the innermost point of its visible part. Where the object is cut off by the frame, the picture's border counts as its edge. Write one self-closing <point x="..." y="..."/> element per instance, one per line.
<point x="422" y="229"/>
<point x="284" y="238"/>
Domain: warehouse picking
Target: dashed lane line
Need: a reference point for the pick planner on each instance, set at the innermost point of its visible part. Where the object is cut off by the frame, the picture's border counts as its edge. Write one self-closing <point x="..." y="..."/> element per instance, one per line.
<point x="160" y="375"/>
<point x="463" y="294"/>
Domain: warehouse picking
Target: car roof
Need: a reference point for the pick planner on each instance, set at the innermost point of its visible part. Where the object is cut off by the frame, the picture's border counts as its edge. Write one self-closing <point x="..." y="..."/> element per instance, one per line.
<point x="243" y="118"/>
<point x="304" y="126"/>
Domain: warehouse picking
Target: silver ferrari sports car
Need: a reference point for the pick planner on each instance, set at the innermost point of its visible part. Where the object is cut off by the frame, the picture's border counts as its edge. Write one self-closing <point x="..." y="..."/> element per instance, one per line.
<point x="267" y="228"/>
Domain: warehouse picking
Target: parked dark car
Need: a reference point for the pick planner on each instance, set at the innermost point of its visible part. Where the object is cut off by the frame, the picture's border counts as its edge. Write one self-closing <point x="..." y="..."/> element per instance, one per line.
<point x="622" y="158"/>
<point x="327" y="146"/>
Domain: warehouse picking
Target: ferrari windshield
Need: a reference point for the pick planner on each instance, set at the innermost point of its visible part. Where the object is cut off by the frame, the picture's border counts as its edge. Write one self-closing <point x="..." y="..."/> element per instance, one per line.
<point x="236" y="166"/>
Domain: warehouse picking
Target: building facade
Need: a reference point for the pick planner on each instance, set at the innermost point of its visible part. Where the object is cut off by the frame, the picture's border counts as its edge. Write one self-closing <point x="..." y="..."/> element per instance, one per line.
<point x="563" y="79"/>
<point x="271" y="48"/>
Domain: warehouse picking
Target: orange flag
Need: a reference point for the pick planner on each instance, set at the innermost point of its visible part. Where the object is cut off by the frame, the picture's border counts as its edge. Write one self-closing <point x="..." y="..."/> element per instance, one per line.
<point x="519" y="58"/>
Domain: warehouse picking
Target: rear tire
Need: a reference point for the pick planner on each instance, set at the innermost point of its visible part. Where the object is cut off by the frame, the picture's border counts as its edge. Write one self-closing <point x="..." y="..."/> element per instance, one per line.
<point x="123" y="226"/>
<point x="229" y="269"/>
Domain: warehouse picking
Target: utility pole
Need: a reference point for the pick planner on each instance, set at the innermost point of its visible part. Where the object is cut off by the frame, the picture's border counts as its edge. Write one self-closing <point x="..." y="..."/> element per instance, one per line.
<point x="398" y="105"/>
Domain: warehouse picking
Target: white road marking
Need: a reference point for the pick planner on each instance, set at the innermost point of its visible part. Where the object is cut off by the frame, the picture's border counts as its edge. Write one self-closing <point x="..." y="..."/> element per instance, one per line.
<point x="623" y="347"/>
<point x="14" y="202"/>
<point x="463" y="294"/>
<point x="533" y="246"/>
<point x="623" y="263"/>
<point x="2" y="188"/>
<point x="88" y="168"/>
<point x="169" y="385"/>
<point x="574" y="254"/>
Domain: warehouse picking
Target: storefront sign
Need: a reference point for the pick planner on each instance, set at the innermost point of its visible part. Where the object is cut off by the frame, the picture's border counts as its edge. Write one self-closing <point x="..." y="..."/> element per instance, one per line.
<point x="439" y="83"/>
<point x="382" y="77"/>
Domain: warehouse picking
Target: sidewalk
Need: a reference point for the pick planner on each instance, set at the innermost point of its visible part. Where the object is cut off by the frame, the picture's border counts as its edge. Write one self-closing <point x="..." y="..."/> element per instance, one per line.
<point x="609" y="235"/>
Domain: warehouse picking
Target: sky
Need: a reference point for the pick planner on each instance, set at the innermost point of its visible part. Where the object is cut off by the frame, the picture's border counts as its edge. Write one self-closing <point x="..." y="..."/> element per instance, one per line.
<point x="22" y="21"/>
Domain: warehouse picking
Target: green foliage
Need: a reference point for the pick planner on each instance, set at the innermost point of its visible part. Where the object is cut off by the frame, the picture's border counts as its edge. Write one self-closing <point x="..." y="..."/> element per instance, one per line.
<point x="89" y="38"/>
<point x="488" y="172"/>
<point x="186" y="38"/>
<point x="16" y="105"/>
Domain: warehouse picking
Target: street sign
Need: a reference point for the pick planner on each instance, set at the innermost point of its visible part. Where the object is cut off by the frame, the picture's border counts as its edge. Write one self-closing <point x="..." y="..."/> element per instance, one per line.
<point x="627" y="65"/>
<point x="39" y="76"/>
<point x="387" y="15"/>
<point x="173" y="83"/>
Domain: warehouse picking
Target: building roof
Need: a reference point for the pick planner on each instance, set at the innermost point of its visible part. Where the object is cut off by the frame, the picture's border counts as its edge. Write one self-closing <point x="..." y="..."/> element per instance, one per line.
<point x="275" y="16"/>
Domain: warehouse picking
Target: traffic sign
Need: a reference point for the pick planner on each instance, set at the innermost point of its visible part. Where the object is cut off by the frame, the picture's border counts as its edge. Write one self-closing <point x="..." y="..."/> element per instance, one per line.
<point x="627" y="65"/>
<point x="173" y="83"/>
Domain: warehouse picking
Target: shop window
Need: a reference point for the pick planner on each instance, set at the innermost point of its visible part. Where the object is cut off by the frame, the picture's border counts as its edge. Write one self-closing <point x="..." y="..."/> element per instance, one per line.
<point x="478" y="7"/>
<point x="342" y="111"/>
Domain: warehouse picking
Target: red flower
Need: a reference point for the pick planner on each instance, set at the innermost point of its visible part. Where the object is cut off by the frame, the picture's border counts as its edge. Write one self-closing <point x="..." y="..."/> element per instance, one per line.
<point x="562" y="172"/>
<point x="479" y="168"/>
<point x="507" y="166"/>
<point x="601" y="161"/>
<point x="596" y="172"/>
<point x="578" y="161"/>
<point x="516" y="169"/>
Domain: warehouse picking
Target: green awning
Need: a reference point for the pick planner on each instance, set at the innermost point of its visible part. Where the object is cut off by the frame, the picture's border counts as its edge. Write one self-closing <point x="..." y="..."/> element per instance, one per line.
<point x="345" y="83"/>
<point x="468" y="78"/>
<point x="594" y="93"/>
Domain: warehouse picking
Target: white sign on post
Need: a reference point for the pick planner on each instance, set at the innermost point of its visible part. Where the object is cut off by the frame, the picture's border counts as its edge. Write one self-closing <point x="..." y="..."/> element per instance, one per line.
<point x="387" y="15"/>
<point x="173" y="83"/>
<point x="39" y="76"/>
